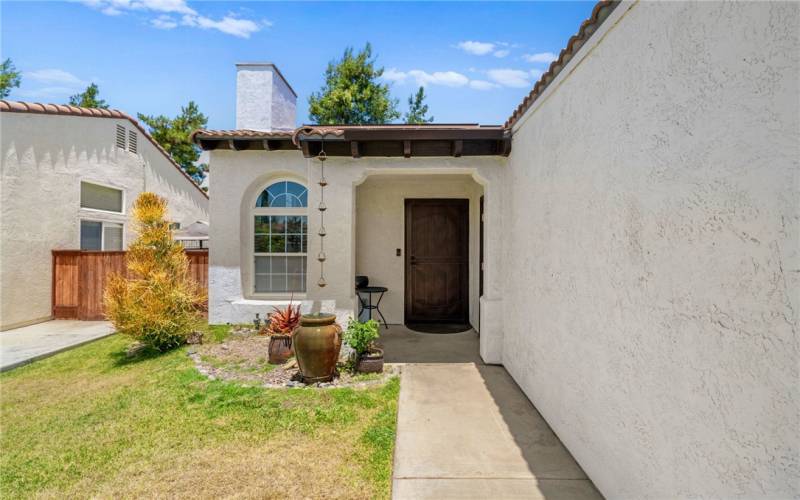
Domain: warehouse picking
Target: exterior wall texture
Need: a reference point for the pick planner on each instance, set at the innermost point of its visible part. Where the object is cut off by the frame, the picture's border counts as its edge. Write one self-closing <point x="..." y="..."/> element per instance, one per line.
<point x="44" y="160"/>
<point x="652" y="202"/>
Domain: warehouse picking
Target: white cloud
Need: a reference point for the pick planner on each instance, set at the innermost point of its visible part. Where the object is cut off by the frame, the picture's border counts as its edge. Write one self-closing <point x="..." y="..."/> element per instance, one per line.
<point x="52" y="76"/>
<point x="501" y="53"/>
<point x="242" y="28"/>
<point x="176" y="6"/>
<point x="536" y="73"/>
<point x="510" y="77"/>
<point x="541" y="57"/>
<point x="482" y="85"/>
<point x="392" y="75"/>
<point x="229" y="24"/>
<point x="116" y="7"/>
<point x="444" y="78"/>
<point x="476" y="48"/>
<point x="497" y="78"/>
<point x="164" y="22"/>
<point x="45" y="93"/>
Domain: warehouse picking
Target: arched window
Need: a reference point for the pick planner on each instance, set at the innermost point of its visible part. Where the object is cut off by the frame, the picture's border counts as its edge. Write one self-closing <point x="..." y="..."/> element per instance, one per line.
<point x="280" y="228"/>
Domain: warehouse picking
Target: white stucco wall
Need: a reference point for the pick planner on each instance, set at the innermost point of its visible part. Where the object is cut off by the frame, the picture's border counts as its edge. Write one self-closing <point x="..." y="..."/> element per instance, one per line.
<point x="652" y="205"/>
<point x="264" y="100"/>
<point x="284" y="105"/>
<point x="380" y="231"/>
<point x="240" y="175"/>
<point x="44" y="159"/>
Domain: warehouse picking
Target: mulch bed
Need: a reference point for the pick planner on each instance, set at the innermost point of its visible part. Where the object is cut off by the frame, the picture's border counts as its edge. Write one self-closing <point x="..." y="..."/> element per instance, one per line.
<point x="243" y="358"/>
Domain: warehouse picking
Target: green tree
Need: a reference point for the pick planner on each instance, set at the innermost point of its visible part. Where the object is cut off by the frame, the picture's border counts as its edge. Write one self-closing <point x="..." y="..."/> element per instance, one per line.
<point x="174" y="135"/>
<point x="352" y="94"/>
<point x="89" y="98"/>
<point x="417" y="109"/>
<point x="9" y="78"/>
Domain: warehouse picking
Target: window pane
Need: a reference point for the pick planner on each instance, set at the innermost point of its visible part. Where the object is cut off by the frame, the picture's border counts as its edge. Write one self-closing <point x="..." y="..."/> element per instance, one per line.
<point x="262" y="283"/>
<point x="278" y="283"/>
<point x="263" y="199"/>
<point x="280" y="274"/>
<point x="278" y="244"/>
<point x="261" y="243"/>
<point x="296" y="195"/>
<point x="262" y="265"/>
<point x="294" y="224"/>
<point x="101" y="197"/>
<point x="294" y="282"/>
<point x="275" y="194"/>
<point x="112" y="237"/>
<point x="282" y="195"/>
<point x="296" y="265"/>
<point x="262" y="224"/>
<point x="278" y="225"/>
<point x="293" y="244"/>
<point x="278" y="265"/>
<point x="91" y="235"/>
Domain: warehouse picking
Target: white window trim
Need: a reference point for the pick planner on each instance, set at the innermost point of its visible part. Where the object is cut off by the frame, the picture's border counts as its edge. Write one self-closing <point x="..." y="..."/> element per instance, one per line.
<point x="110" y="186"/>
<point x="254" y="211"/>
<point x="103" y="224"/>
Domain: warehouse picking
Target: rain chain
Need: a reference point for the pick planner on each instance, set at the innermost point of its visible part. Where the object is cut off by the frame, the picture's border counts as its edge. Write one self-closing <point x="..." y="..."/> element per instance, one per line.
<point x="322" y="183"/>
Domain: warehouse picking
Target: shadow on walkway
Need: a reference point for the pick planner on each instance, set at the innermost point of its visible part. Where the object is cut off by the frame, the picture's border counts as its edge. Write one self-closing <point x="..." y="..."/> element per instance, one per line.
<point x="466" y="430"/>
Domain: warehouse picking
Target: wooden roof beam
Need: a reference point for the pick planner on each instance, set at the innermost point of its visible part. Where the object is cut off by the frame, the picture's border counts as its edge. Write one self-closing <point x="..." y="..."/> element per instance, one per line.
<point x="306" y="149"/>
<point x="457" y="148"/>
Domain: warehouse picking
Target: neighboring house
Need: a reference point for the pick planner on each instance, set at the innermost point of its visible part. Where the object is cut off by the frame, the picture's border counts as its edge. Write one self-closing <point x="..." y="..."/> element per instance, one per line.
<point x="68" y="179"/>
<point x="639" y="238"/>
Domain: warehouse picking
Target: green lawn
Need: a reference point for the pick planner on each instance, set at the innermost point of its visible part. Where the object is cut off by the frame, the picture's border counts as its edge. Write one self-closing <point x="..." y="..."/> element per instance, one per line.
<point x="90" y="422"/>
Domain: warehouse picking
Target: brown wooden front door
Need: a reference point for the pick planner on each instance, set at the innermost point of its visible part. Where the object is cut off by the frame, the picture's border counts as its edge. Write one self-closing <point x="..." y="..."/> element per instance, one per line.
<point x="437" y="257"/>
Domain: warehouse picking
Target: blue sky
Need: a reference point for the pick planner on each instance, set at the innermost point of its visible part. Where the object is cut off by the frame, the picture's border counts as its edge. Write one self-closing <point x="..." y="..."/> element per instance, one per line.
<point x="477" y="60"/>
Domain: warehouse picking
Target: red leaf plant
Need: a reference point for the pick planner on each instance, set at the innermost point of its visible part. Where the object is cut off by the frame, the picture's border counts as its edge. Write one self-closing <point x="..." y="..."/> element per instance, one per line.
<point x="283" y="321"/>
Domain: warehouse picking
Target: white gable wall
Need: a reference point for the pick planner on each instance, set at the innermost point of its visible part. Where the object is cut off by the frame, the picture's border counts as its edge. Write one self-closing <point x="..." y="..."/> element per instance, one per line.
<point x="44" y="159"/>
<point x="652" y="202"/>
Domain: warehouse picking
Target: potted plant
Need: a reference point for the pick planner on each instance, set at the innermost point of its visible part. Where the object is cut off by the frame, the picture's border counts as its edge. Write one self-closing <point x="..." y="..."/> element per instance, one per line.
<point x="280" y="327"/>
<point x="361" y="337"/>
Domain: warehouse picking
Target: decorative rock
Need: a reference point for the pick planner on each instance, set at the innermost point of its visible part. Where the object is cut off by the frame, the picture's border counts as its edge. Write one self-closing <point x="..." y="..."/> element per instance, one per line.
<point x="195" y="338"/>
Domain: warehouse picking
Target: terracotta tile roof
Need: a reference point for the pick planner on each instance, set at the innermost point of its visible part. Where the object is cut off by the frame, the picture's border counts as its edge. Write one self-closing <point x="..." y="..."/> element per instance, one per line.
<point x="240" y="134"/>
<point x="64" y="109"/>
<point x="600" y="12"/>
<point x="332" y="130"/>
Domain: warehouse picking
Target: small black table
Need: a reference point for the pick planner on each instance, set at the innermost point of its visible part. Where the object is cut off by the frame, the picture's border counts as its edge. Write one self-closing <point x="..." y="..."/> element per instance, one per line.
<point x="370" y="290"/>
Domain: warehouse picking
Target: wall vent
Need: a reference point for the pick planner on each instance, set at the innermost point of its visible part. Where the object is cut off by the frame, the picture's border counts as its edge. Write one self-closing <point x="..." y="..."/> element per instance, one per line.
<point x="132" y="141"/>
<point x="120" y="137"/>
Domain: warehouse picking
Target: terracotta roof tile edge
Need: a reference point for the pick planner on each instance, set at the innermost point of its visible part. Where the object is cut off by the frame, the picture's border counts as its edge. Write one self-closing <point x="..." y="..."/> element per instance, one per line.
<point x="67" y="110"/>
<point x="600" y="13"/>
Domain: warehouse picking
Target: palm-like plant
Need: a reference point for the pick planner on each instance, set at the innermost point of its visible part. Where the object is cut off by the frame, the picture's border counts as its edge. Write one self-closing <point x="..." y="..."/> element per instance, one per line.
<point x="283" y="321"/>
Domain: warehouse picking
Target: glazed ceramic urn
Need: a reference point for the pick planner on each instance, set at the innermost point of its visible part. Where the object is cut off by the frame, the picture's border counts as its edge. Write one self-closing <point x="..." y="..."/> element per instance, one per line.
<point x="316" y="345"/>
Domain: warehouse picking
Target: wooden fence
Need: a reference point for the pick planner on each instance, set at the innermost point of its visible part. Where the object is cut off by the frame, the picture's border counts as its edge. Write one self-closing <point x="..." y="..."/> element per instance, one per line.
<point x="79" y="279"/>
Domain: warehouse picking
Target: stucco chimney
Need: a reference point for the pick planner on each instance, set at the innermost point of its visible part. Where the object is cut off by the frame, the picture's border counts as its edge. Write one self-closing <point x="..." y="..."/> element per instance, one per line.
<point x="264" y="99"/>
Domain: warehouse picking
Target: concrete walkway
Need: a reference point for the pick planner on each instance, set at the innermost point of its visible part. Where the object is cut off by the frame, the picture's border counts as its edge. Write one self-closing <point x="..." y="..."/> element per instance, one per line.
<point x="465" y="430"/>
<point x="29" y="343"/>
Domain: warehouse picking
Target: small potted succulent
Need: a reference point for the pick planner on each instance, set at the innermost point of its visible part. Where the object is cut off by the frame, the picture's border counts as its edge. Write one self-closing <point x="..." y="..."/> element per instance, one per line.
<point x="280" y="327"/>
<point x="361" y="337"/>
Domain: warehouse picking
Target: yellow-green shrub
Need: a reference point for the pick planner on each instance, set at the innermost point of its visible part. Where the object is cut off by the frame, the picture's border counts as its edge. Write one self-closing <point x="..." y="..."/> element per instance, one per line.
<point x="157" y="303"/>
